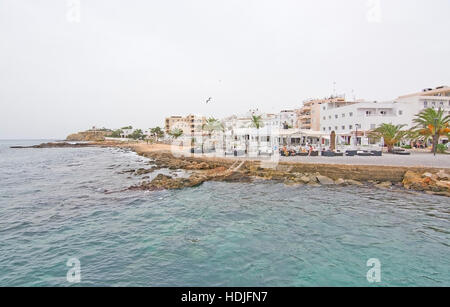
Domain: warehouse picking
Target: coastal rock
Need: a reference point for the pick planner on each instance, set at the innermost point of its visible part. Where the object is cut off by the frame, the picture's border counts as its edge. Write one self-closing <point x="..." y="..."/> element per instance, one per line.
<point x="305" y="179"/>
<point x="162" y="182"/>
<point x="384" y="185"/>
<point x="143" y="171"/>
<point x="232" y="177"/>
<point x="56" y="145"/>
<point x="414" y="181"/>
<point x="425" y="182"/>
<point x="87" y="136"/>
<point x="217" y="171"/>
<point x="443" y="184"/>
<point x="427" y="175"/>
<point x="324" y="180"/>
<point x="196" y="166"/>
<point x="442" y="175"/>
<point x="340" y="181"/>
<point x="353" y="182"/>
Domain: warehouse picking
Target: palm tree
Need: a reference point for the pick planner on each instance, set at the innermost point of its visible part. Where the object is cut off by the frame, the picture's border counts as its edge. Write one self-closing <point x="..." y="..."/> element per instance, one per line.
<point x="431" y="124"/>
<point x="157" y="132"/>
<point x="176" y="133"/>
<point x="257" y="123"/>
<point x="210" y="126"/>
<point x="391" y="134"/>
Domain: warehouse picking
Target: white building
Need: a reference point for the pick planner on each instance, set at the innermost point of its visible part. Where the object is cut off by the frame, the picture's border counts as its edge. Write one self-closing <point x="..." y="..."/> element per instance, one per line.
<point x="357" y="119"/>
<point x="126" y="132"/>
<point x="288" y="119"/>
<point x="429" y="98"/>
<point x="351" y="123"/>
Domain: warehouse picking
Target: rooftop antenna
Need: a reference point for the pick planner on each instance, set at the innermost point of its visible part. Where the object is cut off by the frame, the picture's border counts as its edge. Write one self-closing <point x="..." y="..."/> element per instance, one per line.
<point x="334" y="89"/>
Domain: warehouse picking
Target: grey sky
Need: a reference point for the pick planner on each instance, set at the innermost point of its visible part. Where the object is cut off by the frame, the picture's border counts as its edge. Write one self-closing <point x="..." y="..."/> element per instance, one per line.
<point x="136" y="62"/>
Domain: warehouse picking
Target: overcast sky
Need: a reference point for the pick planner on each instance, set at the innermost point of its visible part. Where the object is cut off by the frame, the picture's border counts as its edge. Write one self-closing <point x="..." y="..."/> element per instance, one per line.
<point x="137" y="61"/>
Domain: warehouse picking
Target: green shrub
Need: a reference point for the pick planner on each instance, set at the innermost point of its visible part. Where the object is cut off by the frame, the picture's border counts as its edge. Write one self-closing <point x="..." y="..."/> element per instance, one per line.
<point x="441" y="148"/>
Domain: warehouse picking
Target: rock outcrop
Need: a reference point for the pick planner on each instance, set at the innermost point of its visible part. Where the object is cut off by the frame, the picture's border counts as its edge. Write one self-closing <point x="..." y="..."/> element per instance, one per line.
<point x="324" y="180"/>
<point x="56" y="145"/>
<point x="87" y="136"/>
<point x="165" y="182"/>
<point x="432" y="183"/>
<point x="162" y="182"/>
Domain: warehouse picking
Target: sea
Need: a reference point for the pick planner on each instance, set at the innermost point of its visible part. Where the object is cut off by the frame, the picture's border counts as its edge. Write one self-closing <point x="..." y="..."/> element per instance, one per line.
<point x="67" y="218"/>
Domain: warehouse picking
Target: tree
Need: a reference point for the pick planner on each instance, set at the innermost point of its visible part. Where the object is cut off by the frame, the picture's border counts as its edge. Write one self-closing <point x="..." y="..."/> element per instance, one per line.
<point x="137" y="135"/>
<point x="257" y="123"/>
<point x="116" y="133"/>
<point x="157" y="132"/>
<point x="431" y="124"/>
<point x="176" y="133"/>
<point x="391" y="134"/>
<point x="210" y="126"/>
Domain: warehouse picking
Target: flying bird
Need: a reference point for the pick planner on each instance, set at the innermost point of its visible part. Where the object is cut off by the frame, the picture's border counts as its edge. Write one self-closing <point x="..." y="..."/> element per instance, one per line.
<point x="208" y="100"/>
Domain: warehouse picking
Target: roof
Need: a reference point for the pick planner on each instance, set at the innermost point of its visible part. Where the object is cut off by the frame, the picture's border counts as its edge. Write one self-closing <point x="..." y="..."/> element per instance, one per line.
<point x="429" y="92"/>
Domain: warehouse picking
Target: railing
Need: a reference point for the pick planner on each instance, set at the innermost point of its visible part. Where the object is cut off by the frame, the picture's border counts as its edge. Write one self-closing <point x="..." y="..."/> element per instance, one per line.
<point x="378" y="115"/>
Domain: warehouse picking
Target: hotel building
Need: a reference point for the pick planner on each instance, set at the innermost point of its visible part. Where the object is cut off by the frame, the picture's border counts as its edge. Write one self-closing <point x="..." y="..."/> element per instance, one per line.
<point x="308" y="116"/>
<point x="191" y="124"/>
<point x="352" y="122"/>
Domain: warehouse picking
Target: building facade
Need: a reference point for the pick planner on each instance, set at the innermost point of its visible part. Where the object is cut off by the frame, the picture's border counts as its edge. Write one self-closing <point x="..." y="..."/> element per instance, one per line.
<point x="308" y="116"/>
<point x="428" y="98"/>
<point x="288" y="119"/>
<point x="351" y="123"/>
<point x="190" y="125"/>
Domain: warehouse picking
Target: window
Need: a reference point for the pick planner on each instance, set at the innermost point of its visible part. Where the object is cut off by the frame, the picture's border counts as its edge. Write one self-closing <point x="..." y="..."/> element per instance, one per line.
<point x="343" y="114"/>
<point x="324" y="108"/>
<point x="350" y="127"/>
<point x="383" y="112"/>
<point x="351" y="114"/>
<point x="425" y="103"/>
<point x="329" y="128"/>
<point x="336" y="128"/>
<point x="336" y="116"/>
<point x="329" y="117"/>
<point x="324" y="118"/>
<point x="368" y="113"/>
<point x="433" y="103"/>
<point x="343" y="127"/>
<point x="324" y="129"/>
<point x="400" y="112"/>
<point x="441" y="103"/>
<point x="372" y="126"/>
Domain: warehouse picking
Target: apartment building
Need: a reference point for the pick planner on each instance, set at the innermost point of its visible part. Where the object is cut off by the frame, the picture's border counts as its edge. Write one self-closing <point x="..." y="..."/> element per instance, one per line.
<point x="308" y="117"/>
<point x="353" y="121"/>
<point x="436" y="98"/>
<point x="190" y="125"/>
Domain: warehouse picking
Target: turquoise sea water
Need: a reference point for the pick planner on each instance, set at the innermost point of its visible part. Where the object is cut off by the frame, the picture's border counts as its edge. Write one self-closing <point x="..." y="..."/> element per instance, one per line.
<point x="57" y="204"/>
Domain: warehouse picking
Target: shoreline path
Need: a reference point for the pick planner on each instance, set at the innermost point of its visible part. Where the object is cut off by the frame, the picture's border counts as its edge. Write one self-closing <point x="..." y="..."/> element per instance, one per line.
<point x="416" y="159"/>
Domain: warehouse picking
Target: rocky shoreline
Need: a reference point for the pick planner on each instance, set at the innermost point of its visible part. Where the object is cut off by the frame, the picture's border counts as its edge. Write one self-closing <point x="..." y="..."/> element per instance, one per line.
<point x="429" y="180"/>
<point x="202" y="169"/>
<point x="68" y="145"/>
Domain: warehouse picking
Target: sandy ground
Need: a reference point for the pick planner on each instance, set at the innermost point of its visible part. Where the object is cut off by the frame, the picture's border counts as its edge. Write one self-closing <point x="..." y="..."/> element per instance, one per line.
<point x="416" y="159"/>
